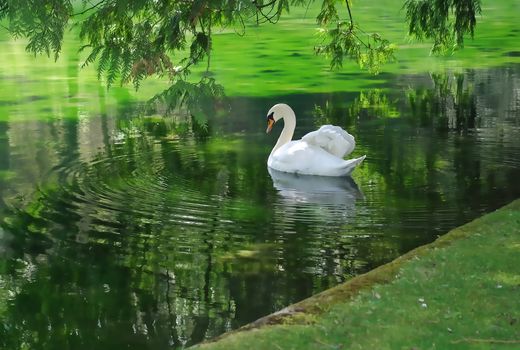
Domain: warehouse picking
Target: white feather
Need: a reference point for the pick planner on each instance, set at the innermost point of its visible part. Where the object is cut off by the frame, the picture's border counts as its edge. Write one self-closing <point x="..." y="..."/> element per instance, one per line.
<point x="332" y="139"/>
<point x="318" y="153"/>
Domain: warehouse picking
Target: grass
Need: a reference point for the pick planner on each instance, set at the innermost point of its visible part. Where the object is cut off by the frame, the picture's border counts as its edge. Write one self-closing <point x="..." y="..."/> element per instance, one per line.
<point x="462" y="291"/>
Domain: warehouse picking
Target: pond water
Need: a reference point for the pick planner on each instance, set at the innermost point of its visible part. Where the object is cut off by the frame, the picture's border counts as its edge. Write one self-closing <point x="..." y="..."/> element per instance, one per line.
<point x="124" y="231"/>
<point x="119" y="230"/>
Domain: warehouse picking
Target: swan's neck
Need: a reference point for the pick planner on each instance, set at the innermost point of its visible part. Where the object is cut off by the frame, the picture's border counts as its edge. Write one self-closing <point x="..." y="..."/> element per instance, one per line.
<point x="289" y="123"/>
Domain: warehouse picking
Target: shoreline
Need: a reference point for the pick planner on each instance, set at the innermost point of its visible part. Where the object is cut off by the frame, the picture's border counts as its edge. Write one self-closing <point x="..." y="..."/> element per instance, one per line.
<point x="309" y="312"/>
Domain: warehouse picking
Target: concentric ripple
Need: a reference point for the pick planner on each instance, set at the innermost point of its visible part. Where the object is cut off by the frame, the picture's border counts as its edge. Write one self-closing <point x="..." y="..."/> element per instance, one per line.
<point x="122" y="189"/>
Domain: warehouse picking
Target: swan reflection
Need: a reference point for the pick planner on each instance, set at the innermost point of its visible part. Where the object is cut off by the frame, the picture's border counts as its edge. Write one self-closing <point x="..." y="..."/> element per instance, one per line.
<point x="315" y="189"/>
<point x="309" y="198"/>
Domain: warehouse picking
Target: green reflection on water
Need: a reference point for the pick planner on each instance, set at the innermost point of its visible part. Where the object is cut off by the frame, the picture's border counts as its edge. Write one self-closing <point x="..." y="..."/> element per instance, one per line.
<point x="144" y="232"/>
<point x="279" y="59"/>
<point x="136" y="232"/>
<point x="269" y="60"/>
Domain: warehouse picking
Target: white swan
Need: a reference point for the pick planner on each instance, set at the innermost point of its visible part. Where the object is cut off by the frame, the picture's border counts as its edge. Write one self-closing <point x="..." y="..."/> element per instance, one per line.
<point x="319" y="152"/>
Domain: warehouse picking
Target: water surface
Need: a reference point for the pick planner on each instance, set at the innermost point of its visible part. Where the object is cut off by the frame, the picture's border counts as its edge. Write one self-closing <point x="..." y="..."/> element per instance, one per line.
<point x="138" y="232"/>
<point x="119" y="230"/>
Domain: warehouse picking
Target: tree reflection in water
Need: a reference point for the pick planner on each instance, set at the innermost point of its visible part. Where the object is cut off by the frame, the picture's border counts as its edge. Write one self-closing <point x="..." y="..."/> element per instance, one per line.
<point x="150" y="233"/>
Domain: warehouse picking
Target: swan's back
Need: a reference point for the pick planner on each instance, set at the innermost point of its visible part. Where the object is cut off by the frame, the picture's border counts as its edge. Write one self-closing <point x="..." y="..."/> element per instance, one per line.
<point x="332" y="139"/>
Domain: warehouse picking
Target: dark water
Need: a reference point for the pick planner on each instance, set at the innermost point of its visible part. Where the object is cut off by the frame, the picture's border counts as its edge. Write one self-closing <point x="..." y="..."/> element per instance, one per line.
<point x="121" y="232"/>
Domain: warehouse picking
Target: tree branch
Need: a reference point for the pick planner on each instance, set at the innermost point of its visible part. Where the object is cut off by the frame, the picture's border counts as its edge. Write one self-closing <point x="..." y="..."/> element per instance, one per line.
<point x="88" y="9"/>
<point x="350" y="16"/>
<point x="264" y="5"/>
<point x="267" y="17"/>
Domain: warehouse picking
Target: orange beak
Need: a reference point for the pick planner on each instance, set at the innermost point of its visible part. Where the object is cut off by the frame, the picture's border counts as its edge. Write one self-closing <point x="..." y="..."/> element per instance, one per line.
<point x="270" y="123"/>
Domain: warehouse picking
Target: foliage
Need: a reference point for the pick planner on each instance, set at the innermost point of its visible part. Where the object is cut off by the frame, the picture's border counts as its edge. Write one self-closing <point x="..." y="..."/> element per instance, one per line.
<point x="343" y="40"/>
<point x="444" y="21"/>
<point x="131" y="40"/>
<point x="43" y="23"/>
<point x="189" y="99"/>
<point x="449" y="105"/>
<point x="370" y="104"/>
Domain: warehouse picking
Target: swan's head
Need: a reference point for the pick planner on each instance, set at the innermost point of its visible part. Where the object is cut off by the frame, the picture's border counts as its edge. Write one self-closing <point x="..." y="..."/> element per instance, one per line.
<point x="277" y="112"/>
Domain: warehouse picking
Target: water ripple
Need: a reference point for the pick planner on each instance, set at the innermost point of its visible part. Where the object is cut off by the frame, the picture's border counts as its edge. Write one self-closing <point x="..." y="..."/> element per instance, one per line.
<point x="108" y="190"/>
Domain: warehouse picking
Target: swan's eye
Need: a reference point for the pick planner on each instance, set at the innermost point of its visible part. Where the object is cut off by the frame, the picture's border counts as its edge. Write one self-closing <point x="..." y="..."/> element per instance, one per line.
<point x="270" y="116"/>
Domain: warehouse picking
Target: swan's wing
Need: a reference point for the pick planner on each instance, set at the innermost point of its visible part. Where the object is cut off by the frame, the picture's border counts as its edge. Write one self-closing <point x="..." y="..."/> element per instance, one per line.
<point x="332" y="139"/>
<point x="300" y="157"/>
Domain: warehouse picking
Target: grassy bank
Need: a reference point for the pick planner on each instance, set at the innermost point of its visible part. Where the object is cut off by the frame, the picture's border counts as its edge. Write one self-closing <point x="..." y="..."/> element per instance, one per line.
<point x="462" y="291"/>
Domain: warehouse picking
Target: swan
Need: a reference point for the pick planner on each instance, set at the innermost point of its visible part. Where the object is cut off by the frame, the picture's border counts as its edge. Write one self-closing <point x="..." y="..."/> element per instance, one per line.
<point x="319" y="152"/>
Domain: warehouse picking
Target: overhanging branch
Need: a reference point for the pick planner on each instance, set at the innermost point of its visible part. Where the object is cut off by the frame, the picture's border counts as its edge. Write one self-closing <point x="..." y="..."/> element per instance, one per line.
<point x="88" y="9"/>
<point x="350" y="16"/>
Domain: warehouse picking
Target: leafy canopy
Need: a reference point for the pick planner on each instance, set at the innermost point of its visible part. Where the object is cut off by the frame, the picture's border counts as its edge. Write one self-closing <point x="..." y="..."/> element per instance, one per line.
<point x="444" y="21"/>
<point x="133" y="39"/>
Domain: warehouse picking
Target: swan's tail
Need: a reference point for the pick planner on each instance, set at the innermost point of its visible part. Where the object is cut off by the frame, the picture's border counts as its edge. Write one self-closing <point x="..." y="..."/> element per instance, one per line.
<point x="351" y="164"/>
